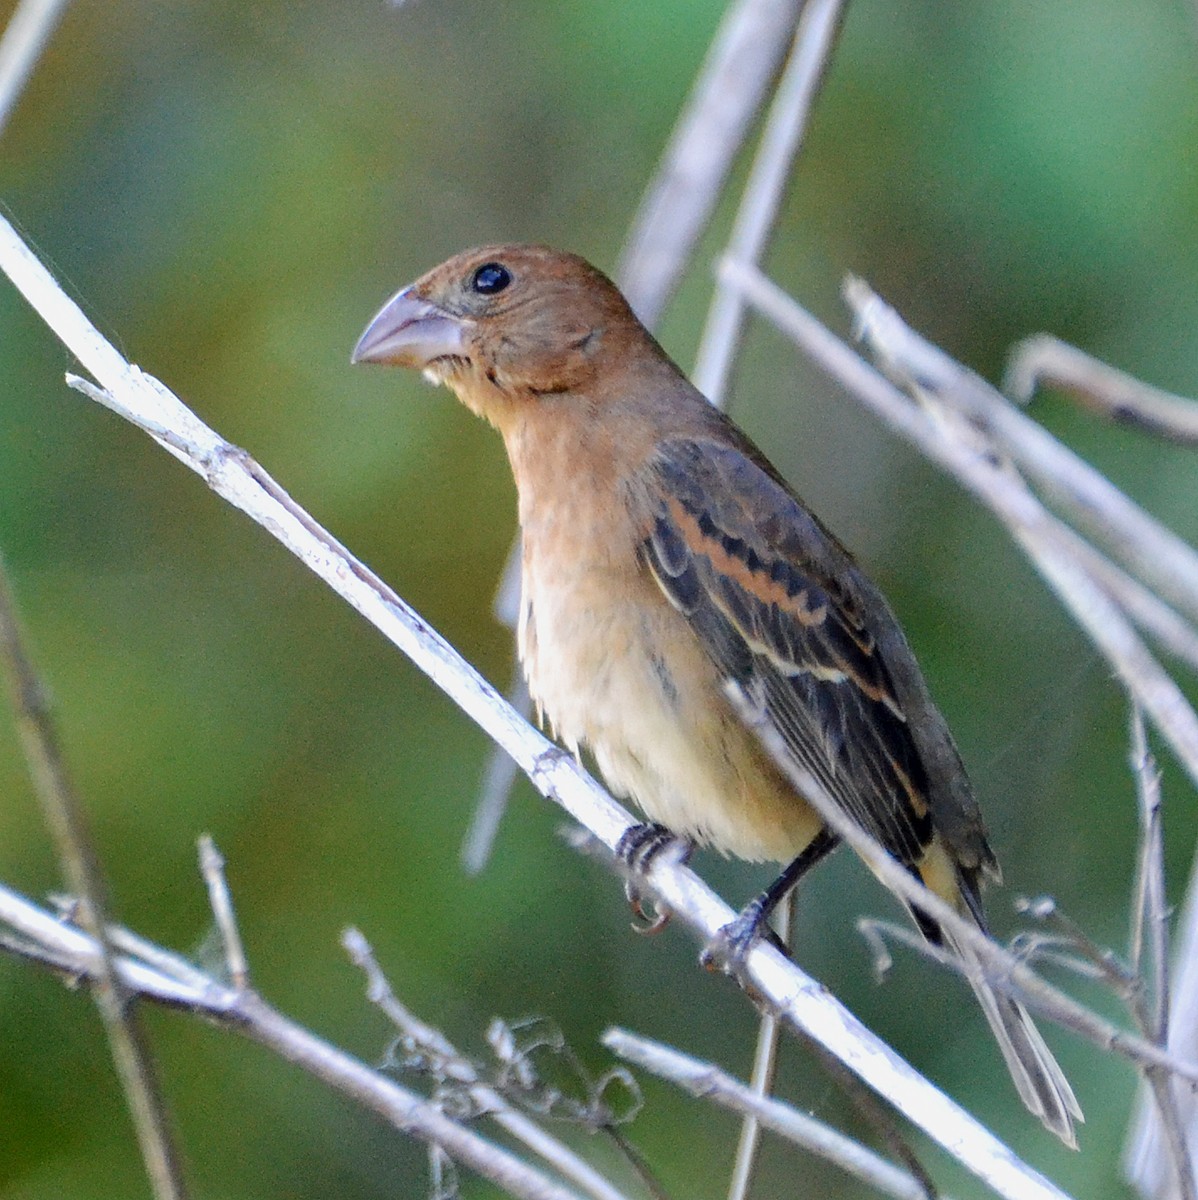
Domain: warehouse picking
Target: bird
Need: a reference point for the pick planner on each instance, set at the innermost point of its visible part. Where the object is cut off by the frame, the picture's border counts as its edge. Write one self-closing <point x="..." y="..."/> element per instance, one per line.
<point x="687" y="620"/>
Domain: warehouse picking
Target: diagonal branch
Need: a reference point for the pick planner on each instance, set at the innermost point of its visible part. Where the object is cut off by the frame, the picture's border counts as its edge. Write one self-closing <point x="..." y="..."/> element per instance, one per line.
<point x="1163" y="560"/>
<point x="780" y="142"/>
<point x="708" y="1082"/>
<point x="25" y="37"/>
<point x="1042" y="537"/>
<point x="678" y="203"/>
<point x="1046" y="361"/>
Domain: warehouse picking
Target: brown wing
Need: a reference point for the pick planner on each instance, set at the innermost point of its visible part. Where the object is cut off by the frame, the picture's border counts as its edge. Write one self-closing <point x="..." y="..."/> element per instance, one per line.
<point x="806" y="642"/>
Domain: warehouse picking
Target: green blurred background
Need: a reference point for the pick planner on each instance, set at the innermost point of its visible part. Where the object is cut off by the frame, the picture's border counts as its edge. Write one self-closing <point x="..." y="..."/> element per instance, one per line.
<point x="231" y="190"/>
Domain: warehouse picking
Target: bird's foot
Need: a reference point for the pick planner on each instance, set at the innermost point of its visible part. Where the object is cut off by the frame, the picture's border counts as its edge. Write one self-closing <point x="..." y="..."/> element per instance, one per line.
<point x="638" y="846"/>
<point x="731" y="945"/>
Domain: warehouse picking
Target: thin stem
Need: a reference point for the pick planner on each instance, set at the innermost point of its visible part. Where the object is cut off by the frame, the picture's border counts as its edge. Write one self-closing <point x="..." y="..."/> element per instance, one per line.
<point x="678" y="203"/>
<point x="457" y="1068"/>
<point x="25" y="37"/>
<point x="785" y="128"/>
<point x="76" y="853"/>
<point x="1149" y="909"/>
<point x="708" y="1082"/>
<point x="1046" y="361"/>
<point x="499" y="778"/>
<point x="765" y="1065"/>
<point x="1150" y="932"/>
<point x="1149" y="1160"/>
<point x="212" y="868"/>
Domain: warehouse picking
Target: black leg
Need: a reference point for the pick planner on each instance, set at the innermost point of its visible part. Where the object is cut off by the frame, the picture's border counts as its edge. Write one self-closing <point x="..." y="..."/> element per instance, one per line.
<point x="736" y="938"/>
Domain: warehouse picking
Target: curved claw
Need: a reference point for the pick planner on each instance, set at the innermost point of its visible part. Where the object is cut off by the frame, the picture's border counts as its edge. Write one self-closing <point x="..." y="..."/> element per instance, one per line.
<point x="653" y="923"/>
<point x="638" y="847"/>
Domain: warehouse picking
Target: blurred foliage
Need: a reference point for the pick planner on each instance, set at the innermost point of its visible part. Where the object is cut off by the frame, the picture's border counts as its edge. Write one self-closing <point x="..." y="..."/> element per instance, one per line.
<point x="230" y="190"/>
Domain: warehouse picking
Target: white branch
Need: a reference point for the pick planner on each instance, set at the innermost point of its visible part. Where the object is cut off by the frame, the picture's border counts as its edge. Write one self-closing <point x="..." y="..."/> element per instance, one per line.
<point x="1043" y="538"/>
<point x="1162" y="559"/>
<point x="70" y="949"/>
<point x="678" y="203"/>
<point x="25" y="36"/>
<point x="1045" y="361"/>
<point x="780" y="142"/>
<point x="705" y="1080"/>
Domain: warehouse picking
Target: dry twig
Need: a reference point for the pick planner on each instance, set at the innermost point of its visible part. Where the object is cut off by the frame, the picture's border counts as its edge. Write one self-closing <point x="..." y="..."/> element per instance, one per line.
<point x="1046" y="361"/>
<point x="457" y="1069"/>
<point x="678" y="203"/>
<point x="72" y="952"/>
<point x="708" y="1082"/>
<point x="784" y="131"/>
<point x="25" y="37"/>
<point x="76" y="853"/>
<point x="761" y="1079"/>
<point x="1158" y="556"/>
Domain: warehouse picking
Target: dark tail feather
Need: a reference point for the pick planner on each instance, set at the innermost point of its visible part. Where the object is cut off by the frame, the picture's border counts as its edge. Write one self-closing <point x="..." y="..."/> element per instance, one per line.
<point x="1038" y="1078"/>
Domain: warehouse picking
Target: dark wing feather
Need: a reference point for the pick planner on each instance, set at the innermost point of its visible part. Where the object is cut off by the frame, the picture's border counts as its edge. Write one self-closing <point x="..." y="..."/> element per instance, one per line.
<point x="801" y="635"/>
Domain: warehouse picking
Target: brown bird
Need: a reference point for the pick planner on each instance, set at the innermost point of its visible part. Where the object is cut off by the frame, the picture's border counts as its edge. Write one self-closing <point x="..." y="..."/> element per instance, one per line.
<point x="686" y="618"/>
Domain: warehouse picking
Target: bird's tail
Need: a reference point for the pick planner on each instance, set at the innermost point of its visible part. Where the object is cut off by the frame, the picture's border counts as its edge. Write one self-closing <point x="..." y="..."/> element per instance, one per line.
<point x="1038" y="1077"/>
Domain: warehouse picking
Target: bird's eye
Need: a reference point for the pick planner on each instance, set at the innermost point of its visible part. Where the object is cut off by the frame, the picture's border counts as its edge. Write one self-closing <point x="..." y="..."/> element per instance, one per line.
<point x="490" y="278"/>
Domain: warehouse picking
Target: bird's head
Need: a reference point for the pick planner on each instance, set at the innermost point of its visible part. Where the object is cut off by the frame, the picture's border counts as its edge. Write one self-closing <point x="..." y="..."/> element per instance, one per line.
<point x="504" y="326"/>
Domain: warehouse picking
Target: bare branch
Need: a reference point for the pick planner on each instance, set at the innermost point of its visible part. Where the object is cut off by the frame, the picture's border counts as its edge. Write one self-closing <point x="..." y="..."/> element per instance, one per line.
<point x="1172" y="632"/>
<point x="236" y="477"/>
<point x="1150" y="912"/>
<point x="1157" y="555"/>
<point x="1160" y="1153"/>
<point x="1152" y="1010"/>
<point x="1043" y="538"/>
<point x="1046" y="361"/>
<point x="743" y="58"/>
<point x="765" y="1065"/>
<point x="708" y="1082"/>
<point x="246" y="1013"/>
<point x="456" y="1067"/>
<point x="212" y="868"/>
<point x="64" y="816"/>
<point x="780" y="142"/>
<point x="25" y="37"/>
<point x="500" y="774"/>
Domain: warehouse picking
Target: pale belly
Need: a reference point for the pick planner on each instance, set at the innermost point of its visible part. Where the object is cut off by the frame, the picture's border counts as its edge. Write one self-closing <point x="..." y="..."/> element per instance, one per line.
<point x="662" y="736"/>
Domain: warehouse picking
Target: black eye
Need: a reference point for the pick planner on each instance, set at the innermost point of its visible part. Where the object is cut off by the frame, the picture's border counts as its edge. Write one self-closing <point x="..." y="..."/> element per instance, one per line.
<point x="491" y="278"/>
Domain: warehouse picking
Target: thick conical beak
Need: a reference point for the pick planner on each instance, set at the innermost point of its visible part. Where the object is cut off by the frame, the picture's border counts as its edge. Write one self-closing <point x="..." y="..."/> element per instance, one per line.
<point x="409" y="332"/>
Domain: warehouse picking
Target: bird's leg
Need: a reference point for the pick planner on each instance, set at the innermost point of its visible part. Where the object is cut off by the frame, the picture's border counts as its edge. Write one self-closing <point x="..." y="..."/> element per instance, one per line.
<point x="638" y="846"/>
<point x="735" y="940"/>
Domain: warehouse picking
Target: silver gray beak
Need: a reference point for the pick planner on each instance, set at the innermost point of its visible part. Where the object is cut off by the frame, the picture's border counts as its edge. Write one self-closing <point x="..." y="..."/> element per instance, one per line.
<point x="409" y="332"/>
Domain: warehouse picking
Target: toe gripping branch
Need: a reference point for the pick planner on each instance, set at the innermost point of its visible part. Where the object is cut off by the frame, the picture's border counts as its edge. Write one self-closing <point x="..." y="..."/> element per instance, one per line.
<point x="637" y="848"/>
